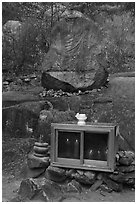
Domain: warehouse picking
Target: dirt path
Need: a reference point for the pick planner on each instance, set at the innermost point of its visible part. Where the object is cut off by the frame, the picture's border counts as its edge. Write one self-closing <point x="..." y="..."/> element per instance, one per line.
<point x="9" y="188"/>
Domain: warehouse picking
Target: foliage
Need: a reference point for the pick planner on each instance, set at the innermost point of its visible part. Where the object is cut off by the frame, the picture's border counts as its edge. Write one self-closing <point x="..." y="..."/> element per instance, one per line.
<point x="120" y="42"/>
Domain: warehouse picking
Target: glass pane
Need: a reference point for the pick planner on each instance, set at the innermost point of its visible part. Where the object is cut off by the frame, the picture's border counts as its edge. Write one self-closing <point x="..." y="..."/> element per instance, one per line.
<point x="69" y="145"/>
<point x="95" y="146"/>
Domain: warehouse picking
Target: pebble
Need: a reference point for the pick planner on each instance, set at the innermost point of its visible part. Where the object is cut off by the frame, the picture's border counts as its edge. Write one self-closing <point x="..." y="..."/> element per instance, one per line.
<point x="5" y="83"/>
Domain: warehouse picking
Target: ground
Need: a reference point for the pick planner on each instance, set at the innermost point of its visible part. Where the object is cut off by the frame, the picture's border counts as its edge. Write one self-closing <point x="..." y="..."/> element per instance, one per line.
<point x="15" y="149"/>
<point x="11" y="186"/>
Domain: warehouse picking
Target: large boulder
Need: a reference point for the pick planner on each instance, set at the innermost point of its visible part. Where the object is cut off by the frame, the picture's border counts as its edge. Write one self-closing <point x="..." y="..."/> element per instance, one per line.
<point x="76" y="47"/>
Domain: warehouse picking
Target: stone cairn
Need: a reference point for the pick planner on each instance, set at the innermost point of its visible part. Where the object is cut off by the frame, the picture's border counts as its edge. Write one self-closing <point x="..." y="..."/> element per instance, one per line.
<point x="38" y="159"/>
<point x="55" y="182"/>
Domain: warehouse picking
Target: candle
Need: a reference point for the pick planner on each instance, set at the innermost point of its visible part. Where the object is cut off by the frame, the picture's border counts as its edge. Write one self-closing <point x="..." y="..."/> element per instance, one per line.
<point x="76" y="149"/>
<point x="68" y="151"/>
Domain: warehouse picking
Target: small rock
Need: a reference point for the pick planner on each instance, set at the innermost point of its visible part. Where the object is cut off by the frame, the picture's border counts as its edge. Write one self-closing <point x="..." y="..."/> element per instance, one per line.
<point x="98" y="90"/>
<point x="33" y="76"/>
<point x="9" y="80"/>
<point x="91" y="175"/>
<point x="105" y="188"/>
<point x="84" y="179"/>
<point x="80" y="172"/>
<point x="100" y="176"/>
<point x="5" y="83"/>
<point x="72" y="186"/>
<point x="55" y="174"/>
<point x="37" y="162"/>
<point x="70" y="173"/>
<point x="19" y="81"/>
<point x="27" y="80"/>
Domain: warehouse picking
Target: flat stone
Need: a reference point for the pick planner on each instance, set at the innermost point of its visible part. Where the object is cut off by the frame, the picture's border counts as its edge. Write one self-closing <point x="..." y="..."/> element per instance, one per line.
<point x="113" y="185"/>
<point x="37" y="162"/>
<point x="55" y="174"/>
<point x="41" y="150"/>
<point x="41" y="144"/>
<point x="40" y="155"/>
<point x="96" y="185"/>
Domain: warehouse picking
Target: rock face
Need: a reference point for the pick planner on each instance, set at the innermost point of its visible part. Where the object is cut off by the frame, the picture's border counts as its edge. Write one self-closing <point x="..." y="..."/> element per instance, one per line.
<point x="76" y="46"/>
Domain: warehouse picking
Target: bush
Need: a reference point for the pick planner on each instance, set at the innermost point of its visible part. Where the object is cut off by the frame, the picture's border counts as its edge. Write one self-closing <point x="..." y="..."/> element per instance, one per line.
<point x="120" y="42"/>
<point x="22" y="47"/>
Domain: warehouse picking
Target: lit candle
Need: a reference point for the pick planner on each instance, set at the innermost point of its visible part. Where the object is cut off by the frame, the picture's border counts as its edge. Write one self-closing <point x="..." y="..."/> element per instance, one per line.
<point x="91" y="154"/>
<point x="68" y="148"/>
<point x="76" y="149"/>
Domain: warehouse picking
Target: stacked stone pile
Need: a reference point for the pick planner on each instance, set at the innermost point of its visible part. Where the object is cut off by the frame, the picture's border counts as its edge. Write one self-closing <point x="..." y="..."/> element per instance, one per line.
<point x="38" y="159"/>
<point x="55" y="182"/>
